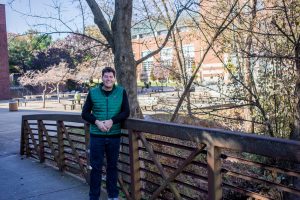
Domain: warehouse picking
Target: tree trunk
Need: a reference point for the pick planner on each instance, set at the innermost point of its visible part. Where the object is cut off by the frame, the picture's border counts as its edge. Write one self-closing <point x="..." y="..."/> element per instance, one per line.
<point x="181" y="60"/>
<point x="123" y="54"/>
<point x="295" y="132"/>
<point x="44" y="96"/>
<point x="182" y="64"/>
<point x="188" y="106"/>
<point x="248" y="111"/>
<point x="57" y="91"/>
<point x="248" y="78"/>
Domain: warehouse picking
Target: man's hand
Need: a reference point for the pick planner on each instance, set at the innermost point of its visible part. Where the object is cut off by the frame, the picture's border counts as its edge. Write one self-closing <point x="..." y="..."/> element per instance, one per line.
<point x="101" y="125"/>
<point x="108" y="124"/>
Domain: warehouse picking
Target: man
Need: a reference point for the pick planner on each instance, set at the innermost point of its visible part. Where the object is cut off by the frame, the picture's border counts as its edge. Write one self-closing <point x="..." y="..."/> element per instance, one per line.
<point x="105" y="108"/>
<point x="77" y="97"/>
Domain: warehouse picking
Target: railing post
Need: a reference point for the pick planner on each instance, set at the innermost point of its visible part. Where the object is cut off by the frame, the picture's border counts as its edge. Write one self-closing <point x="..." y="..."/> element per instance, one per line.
<point x="22" y="141"/>
<point x="60" y="141"/>
<point x="134" y="165"/>
<point x="41" y="142"/>
<point x="87" y="150"/>
<point x="214" y="173"/>
<point x="26" y="138"/>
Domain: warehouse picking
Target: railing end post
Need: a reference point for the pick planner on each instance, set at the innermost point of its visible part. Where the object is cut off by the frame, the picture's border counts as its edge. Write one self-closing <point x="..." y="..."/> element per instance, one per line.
<point x="214" y="173"/>
<point x="60" y="140"/>
<point x="134" y="165"/>
<point x="41" y="141"/>
<point x="22" y="141"/>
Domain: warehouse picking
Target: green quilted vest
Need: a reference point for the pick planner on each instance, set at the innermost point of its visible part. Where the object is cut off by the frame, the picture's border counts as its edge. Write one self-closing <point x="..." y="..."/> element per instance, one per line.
<point x="106" y="107"/>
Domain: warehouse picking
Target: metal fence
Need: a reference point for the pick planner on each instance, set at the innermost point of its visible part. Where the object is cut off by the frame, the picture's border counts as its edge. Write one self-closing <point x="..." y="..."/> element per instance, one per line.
<point x="171" y="161"/>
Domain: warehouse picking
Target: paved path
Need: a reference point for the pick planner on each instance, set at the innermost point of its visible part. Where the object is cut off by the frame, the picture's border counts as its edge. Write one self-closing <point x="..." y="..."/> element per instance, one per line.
<point x="28" y="179"/>
<point x="10" y="123"/>
<point x="25" y="178"/>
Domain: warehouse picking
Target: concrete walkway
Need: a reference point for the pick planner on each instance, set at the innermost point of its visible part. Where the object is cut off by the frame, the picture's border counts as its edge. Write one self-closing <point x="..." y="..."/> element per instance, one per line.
<point x="26" y="178"/>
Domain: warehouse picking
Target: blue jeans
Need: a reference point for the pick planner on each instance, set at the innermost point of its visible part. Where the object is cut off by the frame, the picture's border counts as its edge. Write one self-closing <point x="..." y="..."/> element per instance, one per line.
<point x="111" y="148"/>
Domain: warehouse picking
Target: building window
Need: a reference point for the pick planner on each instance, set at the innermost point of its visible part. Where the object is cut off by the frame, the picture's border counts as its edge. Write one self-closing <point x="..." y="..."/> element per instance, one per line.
<point x="189" y="58"/>
<point x="166" y="54"/>
<point x="166" y="57"/>
<point x="188" y="51"/>
<point x="146" y="66"/>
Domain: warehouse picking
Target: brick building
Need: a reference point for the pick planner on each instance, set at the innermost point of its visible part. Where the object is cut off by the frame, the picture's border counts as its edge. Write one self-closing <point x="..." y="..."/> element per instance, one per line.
<point x="4" y="71"/>
<point x="143" y="42"/>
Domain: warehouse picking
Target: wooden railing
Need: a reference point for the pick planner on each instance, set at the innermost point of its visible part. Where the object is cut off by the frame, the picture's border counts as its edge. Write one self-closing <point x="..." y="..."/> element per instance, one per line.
<point x="171" y="161"/>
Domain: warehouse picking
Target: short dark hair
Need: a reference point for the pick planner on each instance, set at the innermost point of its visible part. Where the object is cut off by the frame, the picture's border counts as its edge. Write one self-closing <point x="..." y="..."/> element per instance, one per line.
<point x="107" y="70"/>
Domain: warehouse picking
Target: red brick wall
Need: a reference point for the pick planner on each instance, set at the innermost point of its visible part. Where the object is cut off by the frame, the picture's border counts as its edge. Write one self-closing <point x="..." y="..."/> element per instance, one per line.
<point x="4" y="73"/>
<point x="144" y="44"/>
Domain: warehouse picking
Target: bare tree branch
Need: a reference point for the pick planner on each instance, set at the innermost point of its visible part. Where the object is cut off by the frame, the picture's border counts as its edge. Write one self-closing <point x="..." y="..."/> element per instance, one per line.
<point x="101" y="22"/>
<point x="221" y="28"/>
<point x="167" y="36"/>
<point x="288" y="20"/>
<point x="282" y="31"/>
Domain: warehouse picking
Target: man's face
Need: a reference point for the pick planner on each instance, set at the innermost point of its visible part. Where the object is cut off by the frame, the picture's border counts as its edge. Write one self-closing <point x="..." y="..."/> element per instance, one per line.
<point x="108" y="80"/>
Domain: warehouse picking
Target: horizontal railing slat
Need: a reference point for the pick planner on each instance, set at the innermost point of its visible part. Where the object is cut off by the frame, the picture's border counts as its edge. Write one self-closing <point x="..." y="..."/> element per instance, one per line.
<point x="55" y="117"/>
<point x="257" y="144"/>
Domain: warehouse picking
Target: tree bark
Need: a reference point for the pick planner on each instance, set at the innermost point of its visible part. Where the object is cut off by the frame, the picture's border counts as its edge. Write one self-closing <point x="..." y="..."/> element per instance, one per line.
<point x="248" y="78"/>
<point x="123" y="54"/>
<point x="44" y="96"/>
<point x="180" y="58"/>
<point x="57" y="91"/>
<point x="295" y="133"/>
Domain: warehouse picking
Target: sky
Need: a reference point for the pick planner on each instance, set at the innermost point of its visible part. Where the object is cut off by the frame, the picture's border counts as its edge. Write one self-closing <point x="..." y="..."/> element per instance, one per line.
<point x="14" y="22"/>
<point x="18" y="21"/>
